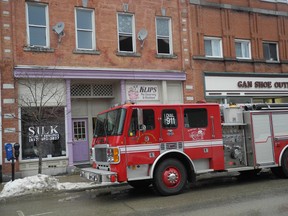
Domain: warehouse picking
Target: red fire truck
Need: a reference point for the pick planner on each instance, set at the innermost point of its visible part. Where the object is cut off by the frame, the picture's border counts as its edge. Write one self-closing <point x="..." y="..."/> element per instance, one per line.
<point x="169" y="145"/>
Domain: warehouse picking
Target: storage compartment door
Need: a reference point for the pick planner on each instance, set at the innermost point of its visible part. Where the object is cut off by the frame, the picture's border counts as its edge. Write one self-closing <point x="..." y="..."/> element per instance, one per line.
<point x="263" y="139"/>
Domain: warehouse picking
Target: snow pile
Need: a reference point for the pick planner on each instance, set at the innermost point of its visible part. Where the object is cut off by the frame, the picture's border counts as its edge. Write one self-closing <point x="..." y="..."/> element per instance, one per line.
<point x="38" y="184"/>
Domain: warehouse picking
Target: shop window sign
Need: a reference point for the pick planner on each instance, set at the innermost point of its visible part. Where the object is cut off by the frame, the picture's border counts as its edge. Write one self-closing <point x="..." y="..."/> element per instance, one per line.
<point x="47" y="130"/>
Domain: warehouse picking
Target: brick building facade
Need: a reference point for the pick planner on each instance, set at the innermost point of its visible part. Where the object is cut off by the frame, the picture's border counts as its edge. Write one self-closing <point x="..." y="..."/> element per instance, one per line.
<point x="249" y="39"/>
<point x="101" y="53"/>
<point x="105" y="52"/>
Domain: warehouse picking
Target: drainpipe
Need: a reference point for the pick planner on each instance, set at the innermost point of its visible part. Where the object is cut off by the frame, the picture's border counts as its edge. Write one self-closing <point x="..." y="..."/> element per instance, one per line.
<point x="69" y="123"/>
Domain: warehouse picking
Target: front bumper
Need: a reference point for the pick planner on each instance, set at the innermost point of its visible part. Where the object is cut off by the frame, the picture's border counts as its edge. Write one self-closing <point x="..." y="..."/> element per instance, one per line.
<point x="98" y="176"/>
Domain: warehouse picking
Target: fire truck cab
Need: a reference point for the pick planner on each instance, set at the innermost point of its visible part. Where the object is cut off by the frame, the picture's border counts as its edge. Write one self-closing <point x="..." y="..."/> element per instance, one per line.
<point x="168" y="145"/>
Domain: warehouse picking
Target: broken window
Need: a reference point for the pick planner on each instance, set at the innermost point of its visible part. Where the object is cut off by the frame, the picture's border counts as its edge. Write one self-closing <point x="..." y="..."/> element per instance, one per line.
<point x="126" y="33"/>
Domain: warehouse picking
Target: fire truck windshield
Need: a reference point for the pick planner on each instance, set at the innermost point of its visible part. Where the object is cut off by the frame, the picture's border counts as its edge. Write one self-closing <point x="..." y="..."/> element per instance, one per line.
<point x="110" y="123"/>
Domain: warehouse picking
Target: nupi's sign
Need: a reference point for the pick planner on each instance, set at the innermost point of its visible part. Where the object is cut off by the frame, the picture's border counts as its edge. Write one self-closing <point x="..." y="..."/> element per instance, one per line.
<point x="142" y="92"/>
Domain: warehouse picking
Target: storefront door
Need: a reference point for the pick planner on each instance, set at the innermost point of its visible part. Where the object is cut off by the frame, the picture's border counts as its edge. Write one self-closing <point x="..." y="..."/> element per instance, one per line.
<point x="80" y="141"/>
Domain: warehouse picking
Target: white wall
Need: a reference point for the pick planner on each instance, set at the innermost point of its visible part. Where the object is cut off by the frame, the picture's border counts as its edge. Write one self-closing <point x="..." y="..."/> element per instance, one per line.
<point x="174" y="92"/>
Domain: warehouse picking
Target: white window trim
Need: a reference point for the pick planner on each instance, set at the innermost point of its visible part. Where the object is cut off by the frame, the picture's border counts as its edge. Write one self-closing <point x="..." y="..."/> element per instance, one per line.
<point x="277" y="51"/>
<point x="220" y="43"/>
<point x="93" y="29"/>
<point x="276" y="1"/>
<point x="249" y="48"/>
<point x="133" y="33"/>
<point x="170" y="36"/>
<point x="46" y="27"/>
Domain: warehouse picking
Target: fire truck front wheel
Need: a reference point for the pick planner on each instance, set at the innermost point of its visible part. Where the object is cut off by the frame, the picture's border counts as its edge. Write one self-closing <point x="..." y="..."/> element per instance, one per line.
<point x="170" y="177"/>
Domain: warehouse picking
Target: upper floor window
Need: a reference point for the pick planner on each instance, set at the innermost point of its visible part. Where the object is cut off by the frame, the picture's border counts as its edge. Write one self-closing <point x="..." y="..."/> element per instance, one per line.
<point x="37" y="25"/>
<point x="243" y="49"/>
<point x="163" y="35"/>
<point x="270" y="51"/>
<point x="126" y="33"/>
<point x="85" y="29"/>
<point x="213" y="47"/>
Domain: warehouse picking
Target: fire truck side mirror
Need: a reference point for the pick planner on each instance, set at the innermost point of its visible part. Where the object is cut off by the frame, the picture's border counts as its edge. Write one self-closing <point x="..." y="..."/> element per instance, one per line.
<point x="140" y="116"/>
<point x="142" y="128"/>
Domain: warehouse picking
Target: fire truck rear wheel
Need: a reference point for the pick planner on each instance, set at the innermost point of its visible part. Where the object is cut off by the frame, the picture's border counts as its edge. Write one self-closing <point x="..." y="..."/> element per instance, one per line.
<point x="282" y="172"/>
<point x="170" y="177"/>
<point x="284" y="163"/>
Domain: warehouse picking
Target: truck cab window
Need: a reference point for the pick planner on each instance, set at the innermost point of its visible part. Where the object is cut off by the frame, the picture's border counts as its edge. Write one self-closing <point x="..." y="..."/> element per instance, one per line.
<point x="148" y="119"/>
<point x="169" y="119"/>
<point x="195" y="118"/>
<point x="133" y="124"/>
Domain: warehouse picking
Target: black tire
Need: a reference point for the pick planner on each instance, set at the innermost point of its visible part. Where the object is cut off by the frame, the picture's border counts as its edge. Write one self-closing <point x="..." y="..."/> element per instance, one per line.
<point x="284" y="164"/>
<point x="170" y="177"/>
<point x="140" y="184"/>
<point x="282" y="172"/>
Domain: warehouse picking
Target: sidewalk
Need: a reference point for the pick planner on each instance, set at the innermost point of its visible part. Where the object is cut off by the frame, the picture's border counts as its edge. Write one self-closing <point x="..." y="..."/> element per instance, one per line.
<point x="37" y="184"/>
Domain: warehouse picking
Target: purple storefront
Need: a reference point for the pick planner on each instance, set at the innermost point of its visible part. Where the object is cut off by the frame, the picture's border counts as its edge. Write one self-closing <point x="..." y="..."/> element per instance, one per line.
<point x="85" y="92"/>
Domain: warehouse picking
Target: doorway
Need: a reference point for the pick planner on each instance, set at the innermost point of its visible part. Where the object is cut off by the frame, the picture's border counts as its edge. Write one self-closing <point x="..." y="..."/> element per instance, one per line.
<point x="80" y="141"/>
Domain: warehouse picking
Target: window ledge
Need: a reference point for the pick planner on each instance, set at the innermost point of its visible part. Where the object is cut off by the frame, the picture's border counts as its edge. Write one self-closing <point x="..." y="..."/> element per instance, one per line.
<point x="89" y="52"/>
<point x="38" y="49"/>
<point x="126" y="54"/>
<point x="239" y="60"/>
<point x="163" y="56"/>
<point x="244" y="60"/>
<point x="272" y="62"/>
<point x="208" y="58"/>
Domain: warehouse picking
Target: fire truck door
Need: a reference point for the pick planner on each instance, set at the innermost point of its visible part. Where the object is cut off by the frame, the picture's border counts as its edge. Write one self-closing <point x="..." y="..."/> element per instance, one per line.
<point x="262" y="136"/>
<point x="170" y="129"/>
<point x="142" y="145"/>
<point x="280" y="132"/>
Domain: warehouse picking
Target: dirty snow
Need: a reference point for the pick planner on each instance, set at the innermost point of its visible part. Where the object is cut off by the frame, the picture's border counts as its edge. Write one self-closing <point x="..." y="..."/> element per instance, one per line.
<point x="38" y="184"/>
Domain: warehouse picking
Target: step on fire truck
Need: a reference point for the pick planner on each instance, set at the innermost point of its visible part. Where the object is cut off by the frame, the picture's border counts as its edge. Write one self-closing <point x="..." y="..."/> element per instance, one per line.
<point x="169" y="145"/>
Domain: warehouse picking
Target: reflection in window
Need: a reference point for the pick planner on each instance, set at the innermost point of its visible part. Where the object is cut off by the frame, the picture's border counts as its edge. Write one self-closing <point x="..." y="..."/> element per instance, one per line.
<point x="270" y="51"/>
<point x="85" y="29"/>
<point x="195" y="118"/>
<point x="149" y="119"/>
<point x="126" y="32"/>
<point x="37" y="25"/>
<point x="50" y="130"/>
<point x="133" y="124"/>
